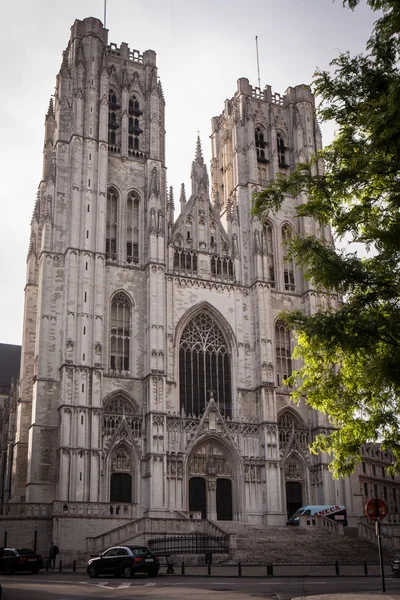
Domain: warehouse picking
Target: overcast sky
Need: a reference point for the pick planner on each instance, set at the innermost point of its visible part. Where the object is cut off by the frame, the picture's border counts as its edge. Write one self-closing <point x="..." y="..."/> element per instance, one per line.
<point x="202" y="46"/>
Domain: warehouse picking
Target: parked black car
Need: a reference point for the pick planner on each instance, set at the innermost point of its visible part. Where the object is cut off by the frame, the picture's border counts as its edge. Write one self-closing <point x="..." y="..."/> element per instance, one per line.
<point x="124" y="561"/>
<point x="396" y="565"/>
<point x="20" y="559"/>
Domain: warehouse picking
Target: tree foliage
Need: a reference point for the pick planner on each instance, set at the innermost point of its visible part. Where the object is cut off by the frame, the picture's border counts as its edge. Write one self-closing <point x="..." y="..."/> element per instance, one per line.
<point x="351" y="356"/>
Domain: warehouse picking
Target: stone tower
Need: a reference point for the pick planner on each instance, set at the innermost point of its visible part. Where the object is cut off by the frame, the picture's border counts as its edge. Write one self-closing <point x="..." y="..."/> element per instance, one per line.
<point x="104" y="141"/>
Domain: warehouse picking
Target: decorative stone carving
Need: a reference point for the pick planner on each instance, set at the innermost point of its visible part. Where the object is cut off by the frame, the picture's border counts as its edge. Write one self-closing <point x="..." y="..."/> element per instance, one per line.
<point x="121" y="461"/>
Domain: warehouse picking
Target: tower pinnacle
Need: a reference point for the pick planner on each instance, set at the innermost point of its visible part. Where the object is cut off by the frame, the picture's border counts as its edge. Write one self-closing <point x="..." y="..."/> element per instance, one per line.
<point x="199" y="174"/>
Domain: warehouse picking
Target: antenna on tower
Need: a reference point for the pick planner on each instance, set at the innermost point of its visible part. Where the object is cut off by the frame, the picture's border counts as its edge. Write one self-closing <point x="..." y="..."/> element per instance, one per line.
<point x="105" y="14"/>
<point x="258" y="64"/>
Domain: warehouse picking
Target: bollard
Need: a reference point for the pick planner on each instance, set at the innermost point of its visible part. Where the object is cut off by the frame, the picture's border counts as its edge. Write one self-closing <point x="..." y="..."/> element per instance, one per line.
<point x="74" y="566"/>
<point x="365" y="568"/>
<point x="208" y="568"/>
<point x="336" y="567"/>
<point x="170" y="569"/>
<point x="60" y="566"/>
<point x="183" y="568"/>
<point x="239" y="569"/>
<point x="270" y="569"/>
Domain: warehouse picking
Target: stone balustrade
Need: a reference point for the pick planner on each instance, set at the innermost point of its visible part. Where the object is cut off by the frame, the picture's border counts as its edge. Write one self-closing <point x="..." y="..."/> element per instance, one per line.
<point x="108" y="510"/>
<point x="26" y="510"/>
<point x="390" y="533"/>
<point x="321" y="523"/>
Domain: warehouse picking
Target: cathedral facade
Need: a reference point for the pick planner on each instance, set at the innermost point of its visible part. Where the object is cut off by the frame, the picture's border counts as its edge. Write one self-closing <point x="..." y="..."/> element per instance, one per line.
<point x="153" y="358"/>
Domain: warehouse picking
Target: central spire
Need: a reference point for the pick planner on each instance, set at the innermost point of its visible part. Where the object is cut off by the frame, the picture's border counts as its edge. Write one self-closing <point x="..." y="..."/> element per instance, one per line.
<point x="199" y="152"/>
<point x="199" y="174"/>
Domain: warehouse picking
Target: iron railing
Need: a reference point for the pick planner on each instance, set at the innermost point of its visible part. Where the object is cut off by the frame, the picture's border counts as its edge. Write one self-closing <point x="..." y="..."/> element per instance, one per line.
<point x="195" y="543"/>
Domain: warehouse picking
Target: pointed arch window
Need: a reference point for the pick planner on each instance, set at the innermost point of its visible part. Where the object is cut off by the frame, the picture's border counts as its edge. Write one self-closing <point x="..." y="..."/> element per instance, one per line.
<point x="283" y="351"/>
<point x="134" y="129"/>
<point x="120" y="409"/>
<point x="289" y="422"/>
<point x="185" y="261"/>
<point x="111" y="224"/>
<point x="132" y="228"/>
<point x="204" y="365"/>
<point x="261" y="144"/>
<point x="120" y="333"/>
<point x="288" y="262"/>
<point x="280" y="143"/>
<point x="113" y="120"/>
<point x="268" y="252"/>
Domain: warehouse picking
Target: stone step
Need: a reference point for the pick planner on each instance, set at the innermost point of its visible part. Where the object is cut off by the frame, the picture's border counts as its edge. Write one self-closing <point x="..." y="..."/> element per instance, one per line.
<point x="295" y="545"/>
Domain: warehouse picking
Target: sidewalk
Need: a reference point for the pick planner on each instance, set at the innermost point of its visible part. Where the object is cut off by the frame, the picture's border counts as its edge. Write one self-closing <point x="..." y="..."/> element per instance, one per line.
<point x="356" y="596"/>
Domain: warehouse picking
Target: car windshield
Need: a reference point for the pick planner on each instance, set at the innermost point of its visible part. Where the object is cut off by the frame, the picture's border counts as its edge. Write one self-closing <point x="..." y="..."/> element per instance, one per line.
<point x="24" y="551"/>
<point x="138" y="550"/>
<point x="298" y="513"/>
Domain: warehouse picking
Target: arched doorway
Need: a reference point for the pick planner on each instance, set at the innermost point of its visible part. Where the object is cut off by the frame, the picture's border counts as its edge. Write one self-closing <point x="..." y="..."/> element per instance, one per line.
<point x="121" y="487"/>
<point x="216" y="493"/>
<point x="224" y="499"/>
<point x="198" y="496"/>
<point x="293" y="497"/>
<point x="293" y="442"/>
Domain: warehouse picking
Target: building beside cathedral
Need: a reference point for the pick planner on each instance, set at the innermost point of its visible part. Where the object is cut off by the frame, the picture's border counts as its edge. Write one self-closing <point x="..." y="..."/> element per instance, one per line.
<point x="153" y="358"/>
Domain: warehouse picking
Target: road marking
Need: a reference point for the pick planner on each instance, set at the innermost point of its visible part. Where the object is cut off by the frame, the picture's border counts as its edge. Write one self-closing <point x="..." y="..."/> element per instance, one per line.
<point x="149" y="584"/>
<point x="123" y="585"/>
<point x="99" y="584"/>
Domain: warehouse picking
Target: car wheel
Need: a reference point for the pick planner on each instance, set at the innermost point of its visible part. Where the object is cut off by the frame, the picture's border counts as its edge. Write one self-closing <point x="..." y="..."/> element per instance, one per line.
<point x="8" y="569"/>
<point x="127" y="572"/>
<point x="153" y="573"/>
<point x="35" y="571"/>
<point x="93" y="572"/>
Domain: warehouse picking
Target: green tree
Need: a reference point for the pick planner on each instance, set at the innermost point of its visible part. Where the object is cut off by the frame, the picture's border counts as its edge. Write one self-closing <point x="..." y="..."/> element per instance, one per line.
<point x="351" y="356"/>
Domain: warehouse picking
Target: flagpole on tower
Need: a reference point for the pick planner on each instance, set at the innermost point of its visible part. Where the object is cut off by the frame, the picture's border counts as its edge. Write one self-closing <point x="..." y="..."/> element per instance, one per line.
<point x="258" y="64"/>
<point x="105" y="14"/>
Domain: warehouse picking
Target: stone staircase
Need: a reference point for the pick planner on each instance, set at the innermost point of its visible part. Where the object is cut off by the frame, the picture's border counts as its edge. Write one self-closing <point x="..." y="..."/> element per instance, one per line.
<point x="141" y="530"/>
<point x="258" y="544"/>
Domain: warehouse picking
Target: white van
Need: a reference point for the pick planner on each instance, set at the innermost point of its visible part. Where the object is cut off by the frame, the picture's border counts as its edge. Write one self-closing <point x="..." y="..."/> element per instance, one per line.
<point x="335" y="512"/>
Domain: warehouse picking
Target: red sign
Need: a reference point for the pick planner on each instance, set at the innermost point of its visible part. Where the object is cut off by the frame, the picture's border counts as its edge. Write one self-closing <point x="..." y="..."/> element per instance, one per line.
<point x="376" y="509"/>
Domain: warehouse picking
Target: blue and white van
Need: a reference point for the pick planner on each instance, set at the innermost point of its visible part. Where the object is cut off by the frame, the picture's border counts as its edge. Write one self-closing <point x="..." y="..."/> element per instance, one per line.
<point x="336" y="512"/>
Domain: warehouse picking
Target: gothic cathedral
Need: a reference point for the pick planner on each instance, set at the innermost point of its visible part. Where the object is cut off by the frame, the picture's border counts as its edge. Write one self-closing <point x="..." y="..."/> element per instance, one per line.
<point x="153" y="357"/>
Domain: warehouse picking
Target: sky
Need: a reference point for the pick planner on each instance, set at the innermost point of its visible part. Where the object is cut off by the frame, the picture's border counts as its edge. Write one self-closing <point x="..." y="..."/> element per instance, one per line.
<point x="203" y="47"/>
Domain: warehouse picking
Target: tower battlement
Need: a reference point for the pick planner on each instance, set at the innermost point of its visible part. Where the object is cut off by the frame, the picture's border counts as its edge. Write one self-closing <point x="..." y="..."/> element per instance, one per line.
<point x="293" y="95"/>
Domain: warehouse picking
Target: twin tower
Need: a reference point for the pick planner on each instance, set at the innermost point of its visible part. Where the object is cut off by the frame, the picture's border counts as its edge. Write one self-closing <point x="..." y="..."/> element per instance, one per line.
<point x="153" y="356"/>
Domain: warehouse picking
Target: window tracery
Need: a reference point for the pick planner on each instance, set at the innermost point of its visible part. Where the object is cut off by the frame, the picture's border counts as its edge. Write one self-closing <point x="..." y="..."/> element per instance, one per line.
<point x="268" y="251"/>
<point x="132" y="228"/>
<point x="222" y="267"/>
<point x="120" y="409"/>
<point x="120" y="333"/>
<point x="260" y="144"/>
<point x="134" y="130"/>
<point x="289" y="426"/>
<point x="204" y="365"/>
<point x="185" y="260"/>
<point x="280" y="142"/>
<point x="112" y="224"/>
<point x="283" y="347"/>
<point x="288" y="262"/>
<point x="113" y="120"/>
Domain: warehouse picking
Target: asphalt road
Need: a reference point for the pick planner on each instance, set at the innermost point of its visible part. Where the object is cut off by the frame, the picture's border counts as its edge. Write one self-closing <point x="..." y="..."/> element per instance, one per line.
<point x="78" y="586"/>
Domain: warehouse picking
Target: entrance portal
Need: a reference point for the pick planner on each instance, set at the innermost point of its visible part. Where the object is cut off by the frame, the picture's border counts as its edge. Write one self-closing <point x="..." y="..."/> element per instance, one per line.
<point x="293" y="497"/>
<point x="224" y="499"/>
<point x="197" y="496"/>
<point x="121" y="487"/>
